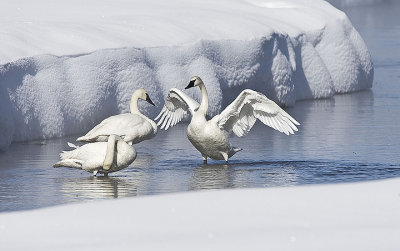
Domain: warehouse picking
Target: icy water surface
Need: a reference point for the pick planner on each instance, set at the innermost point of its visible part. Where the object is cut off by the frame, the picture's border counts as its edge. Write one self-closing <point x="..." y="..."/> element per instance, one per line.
<point x="348" y="138"/>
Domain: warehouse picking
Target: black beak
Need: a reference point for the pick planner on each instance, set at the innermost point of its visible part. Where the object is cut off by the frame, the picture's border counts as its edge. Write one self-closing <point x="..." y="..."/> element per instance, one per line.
<point x="190" y="85"/>
<point x="149" y="100"/>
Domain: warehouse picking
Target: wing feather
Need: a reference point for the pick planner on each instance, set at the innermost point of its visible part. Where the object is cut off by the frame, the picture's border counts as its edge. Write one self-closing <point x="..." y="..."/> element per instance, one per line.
<point x="121" y="124"/>
<point x="161" y="113"/>
<point x="177" y="105"/>
<point x="240" y="116"/>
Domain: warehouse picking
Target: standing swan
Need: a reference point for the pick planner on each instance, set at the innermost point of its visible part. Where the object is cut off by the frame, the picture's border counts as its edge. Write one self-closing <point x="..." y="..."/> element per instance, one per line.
<point x="133" y="127"/>
<point x="99" y="157"/>
<point x="210" y="137"/>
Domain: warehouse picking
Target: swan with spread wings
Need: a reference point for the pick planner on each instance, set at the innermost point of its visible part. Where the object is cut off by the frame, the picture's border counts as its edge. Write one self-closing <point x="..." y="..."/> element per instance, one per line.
<point x="211" y="137"/>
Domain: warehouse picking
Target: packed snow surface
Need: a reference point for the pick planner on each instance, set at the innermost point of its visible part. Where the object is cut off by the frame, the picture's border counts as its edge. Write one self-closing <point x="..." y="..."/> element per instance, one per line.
<point x="66" y="65"/>
<point x="356" y="216"/>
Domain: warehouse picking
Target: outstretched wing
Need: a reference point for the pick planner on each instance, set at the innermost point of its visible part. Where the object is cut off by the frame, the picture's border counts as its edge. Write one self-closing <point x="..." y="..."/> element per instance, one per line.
<point x="177" y="105"/>
<point x="240" y="116"/>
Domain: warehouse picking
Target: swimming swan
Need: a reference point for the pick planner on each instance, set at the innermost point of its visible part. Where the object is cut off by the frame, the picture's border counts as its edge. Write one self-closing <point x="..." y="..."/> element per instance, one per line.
<point x="210" y="137"/>
<point x="99" y="157"/>
<point x="133" y="127"/>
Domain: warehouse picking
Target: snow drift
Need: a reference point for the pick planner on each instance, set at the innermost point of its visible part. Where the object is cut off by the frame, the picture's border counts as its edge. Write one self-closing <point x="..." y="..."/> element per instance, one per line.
<point x="352" y="216"/>
<point x="51" y="86"/>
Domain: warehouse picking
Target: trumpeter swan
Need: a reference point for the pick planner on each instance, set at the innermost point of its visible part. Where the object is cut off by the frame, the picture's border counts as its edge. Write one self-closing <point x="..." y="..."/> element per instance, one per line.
<point x="210" y="137"/>
<point x="133" y="127"/>
<point x="99" y="157"/>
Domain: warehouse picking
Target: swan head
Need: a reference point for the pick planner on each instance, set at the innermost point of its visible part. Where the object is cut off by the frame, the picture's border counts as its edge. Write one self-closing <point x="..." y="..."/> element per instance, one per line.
<point x="194" y="81"/>
<point x="142" y="94"/>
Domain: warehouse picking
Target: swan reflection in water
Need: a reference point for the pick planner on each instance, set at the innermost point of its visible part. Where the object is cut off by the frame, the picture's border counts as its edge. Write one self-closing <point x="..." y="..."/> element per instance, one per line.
<point x="239" y="175"/>
<point x="129" y="182"/>
<point x="211" y="177"/>
<point x="97" y="188"/>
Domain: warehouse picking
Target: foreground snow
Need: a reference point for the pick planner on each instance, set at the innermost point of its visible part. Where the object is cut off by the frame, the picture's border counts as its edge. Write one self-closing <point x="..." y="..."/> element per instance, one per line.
<point x="357" y="216"/>
<point x="63" y="69"/>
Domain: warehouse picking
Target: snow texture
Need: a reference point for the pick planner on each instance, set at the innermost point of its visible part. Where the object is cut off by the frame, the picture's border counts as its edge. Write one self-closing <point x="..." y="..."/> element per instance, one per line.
<point x="353" y="216"/>
<point x="64" y="70"/>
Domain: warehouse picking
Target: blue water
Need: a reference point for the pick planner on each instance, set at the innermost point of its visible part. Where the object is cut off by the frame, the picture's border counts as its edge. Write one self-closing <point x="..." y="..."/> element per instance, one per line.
<point x="348" y="138"/>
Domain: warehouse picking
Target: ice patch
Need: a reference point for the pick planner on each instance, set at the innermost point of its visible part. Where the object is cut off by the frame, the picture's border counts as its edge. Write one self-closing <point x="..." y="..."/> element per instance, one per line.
<point x="351" y="3"/>
<point x="48" y="96"/>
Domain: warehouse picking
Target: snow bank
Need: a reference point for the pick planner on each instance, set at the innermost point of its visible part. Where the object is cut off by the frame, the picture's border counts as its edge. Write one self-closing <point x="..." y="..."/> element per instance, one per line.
<point x="355" y="216"/>
<point x="67" y="68"/>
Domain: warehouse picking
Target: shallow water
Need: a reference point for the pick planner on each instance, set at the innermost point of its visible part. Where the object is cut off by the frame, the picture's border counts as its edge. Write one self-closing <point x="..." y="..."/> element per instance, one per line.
<point x="351" y="137"/>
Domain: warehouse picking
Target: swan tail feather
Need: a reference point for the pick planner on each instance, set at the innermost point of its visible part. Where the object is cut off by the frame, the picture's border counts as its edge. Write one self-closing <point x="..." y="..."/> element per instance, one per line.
<point x="98" y="138"/>
<point x="81" y="139"/>
<point x="86" y="139"/>
<point x="234" y="150"/>
<point x="73" y="163"/>
<point x="72" y="145"/>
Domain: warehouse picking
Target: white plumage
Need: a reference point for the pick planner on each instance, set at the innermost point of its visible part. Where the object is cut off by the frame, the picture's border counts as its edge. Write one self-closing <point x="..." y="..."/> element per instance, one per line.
<point x="99" y="157"/>
<point x="132" y="127"/>
<point x="177" y="106"/>
<point x="210" y="137"/>
<point x="240" y="116"/>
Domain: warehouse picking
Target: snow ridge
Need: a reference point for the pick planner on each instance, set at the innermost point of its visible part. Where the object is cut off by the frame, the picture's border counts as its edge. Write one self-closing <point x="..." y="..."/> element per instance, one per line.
<point x="48" y="96"/>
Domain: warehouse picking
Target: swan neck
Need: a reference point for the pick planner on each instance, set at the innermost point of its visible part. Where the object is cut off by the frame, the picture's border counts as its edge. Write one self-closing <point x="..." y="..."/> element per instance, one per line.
<point x="110" y="152"/>
<point x="134" y="104"/>
<point x="204" y="99"/>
